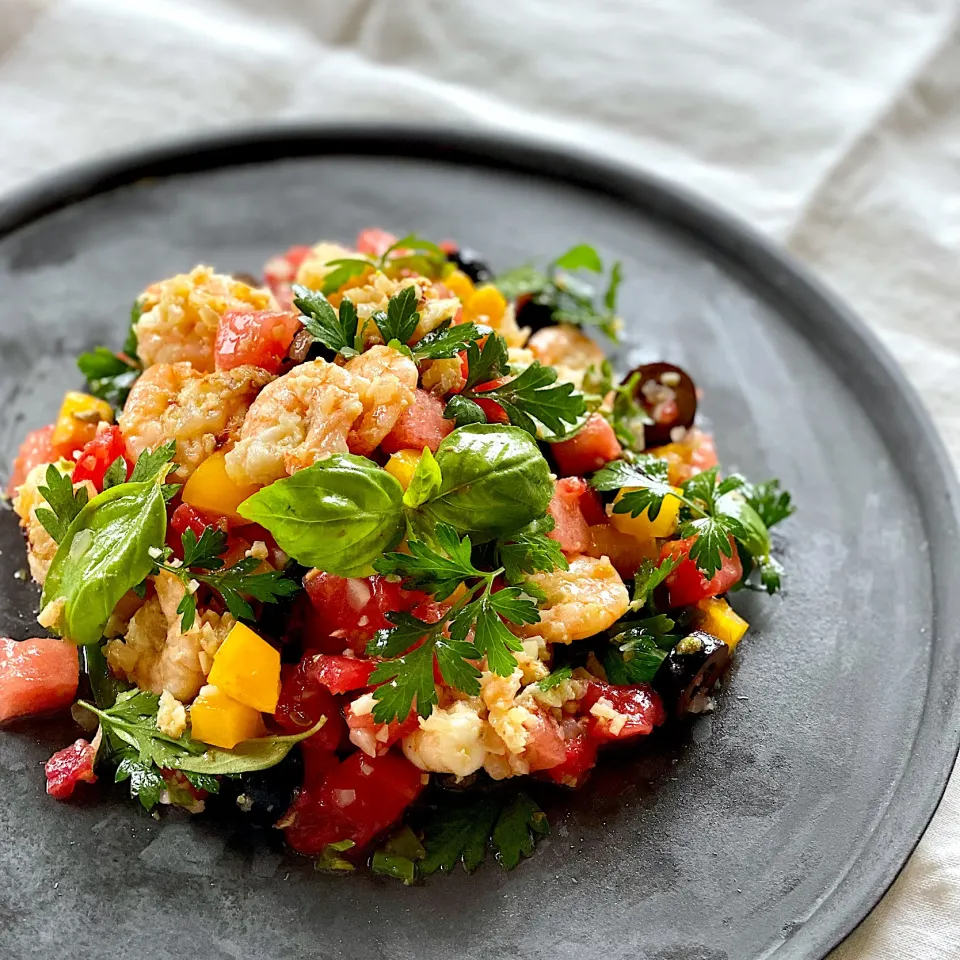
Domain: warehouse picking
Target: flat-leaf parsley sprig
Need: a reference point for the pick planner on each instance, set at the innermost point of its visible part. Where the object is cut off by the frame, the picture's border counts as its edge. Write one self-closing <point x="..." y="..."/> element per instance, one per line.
<point x="202" y="562"/>
<point x="406" y="676"/>
<point x="408" y="253"/>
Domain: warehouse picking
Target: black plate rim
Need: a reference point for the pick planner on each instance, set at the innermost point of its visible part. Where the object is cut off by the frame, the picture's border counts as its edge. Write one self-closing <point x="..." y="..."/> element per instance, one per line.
<point x="844" y="341"/>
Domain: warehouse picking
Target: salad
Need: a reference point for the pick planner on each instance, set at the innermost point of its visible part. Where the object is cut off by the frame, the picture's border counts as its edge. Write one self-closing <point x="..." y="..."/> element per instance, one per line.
<point x="350" y="550"/>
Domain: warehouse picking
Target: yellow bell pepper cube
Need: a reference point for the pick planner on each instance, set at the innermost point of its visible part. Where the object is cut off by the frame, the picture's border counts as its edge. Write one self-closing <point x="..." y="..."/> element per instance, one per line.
<point x="77" y="420"/>
<point x="211" y="490"/>
<point x="403" y="465"/>
<point x="247" y="668"/>
<point x="487" y="305"/>
<point x="642" y="526"/>
<point x="720" y="620"/>
<point x="460" y="285"/>
<point x="221" y="721"/>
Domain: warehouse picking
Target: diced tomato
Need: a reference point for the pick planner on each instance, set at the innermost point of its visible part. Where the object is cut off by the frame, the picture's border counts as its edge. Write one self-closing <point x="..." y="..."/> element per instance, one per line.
<point x="570" y="529"/>
<point x="639" y="704"/>
<point x="580" y="757"/>
<point x="260" y="338"/>
<point x="303" y="701"/>
<point x="687" y="585"/>
<point x="373" y="738"/>
<point x="36" y="676"/>
<point x="280" y="272"/>
<point x="375" y="242"/>
<point x="421" y="425"/>
<point x="491" y="409"/>
<point x="593" y="446"/>
<point x="97" y="456"/>
<point x="67" y="767"/>
<point x="358" y="800"/>
<point x="318" y="762"/>
<point x="36" y="448"/>
<point x="704" y="454"/>
<point x="341" y="674"/>
<point x="545" y="747"/>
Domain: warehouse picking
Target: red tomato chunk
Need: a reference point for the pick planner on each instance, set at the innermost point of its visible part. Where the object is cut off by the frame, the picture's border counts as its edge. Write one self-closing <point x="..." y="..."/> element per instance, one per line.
<point x="593" y="446"/>
<point x="421" y="425"/>
<point x="303" y="701"/>
<point x="375" y="739"/>
<point x="640" y="706"/>
<point x="68" y="767"/>
<point x="375" y="242"/>
<point x="280" y="272"/>
<point x="572" y="499"/>
<point x="341" y="674"/>
<point x="687" y="585"/>
<point x="580" y="757"/>
<point x="261" y="338"/>
<point x="359" y="799"/>
<point x="97" y="456"/>
<point x="36" y="448"/>
<point x="36" y="676"/>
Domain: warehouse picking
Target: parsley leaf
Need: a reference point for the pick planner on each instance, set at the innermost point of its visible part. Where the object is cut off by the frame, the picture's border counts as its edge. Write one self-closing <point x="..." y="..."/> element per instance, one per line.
<point x="649" y="576"/>
<point x="556" y="678"/>
<point x="109" y="376"/>
<point x="486" y="363"/>
<point x="424" y="568"/>
<point x="627" y="417"/>
<point x="151" y="462"/>
<point x="635" y="654"/>
<point x="645" y="477"/>
<point x="414" y="253"/>
<point x="116" y="473"/>
<point x="534" y="397"/>
<point x="530" y="550"/>
<point x="517" y="830"/>
<point x="771" y="503"/>
<point x="345" y="269"/>
<point x="401" y="319"/>
<point x="336" y="331"/>
<point x="447" y="340"/>
<point x="463" y="412"/>
<point x="63" y="503"/>
<point x="715" y="536"/>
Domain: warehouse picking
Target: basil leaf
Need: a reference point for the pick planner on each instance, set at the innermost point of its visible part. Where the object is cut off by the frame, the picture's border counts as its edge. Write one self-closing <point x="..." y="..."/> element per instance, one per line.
<point x="425" y="482"/>
<point x="247" y="756"/>
<point x="103" y="555"/>
<point x="495" y="481"/>
<point x="463" y="411"/>
<point x="580" y="257"/>
<point x="339" y="515"/>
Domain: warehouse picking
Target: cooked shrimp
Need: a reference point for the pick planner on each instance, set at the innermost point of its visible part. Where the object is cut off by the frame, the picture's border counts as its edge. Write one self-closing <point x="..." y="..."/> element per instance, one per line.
<point x="179" y="316"/>
<point x="41" y="547"/>
<point x="202" y="412"/>
<point x="300" y="418"/>
<point x="157" y="655"/>
<point x="389" y="382"/>
<point x="581" y="601"/>
<point x="450" y="740"/>
<point x="568" y="349"/>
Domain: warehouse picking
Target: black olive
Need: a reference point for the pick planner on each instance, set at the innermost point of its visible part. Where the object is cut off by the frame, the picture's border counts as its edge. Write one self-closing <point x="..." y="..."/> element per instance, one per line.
<point x="534" y="315"/>
<point x="470" y="263"/>
<point x="669" y="397"/>
<point x="690" y="671"/>
<point x="264" y="796"/>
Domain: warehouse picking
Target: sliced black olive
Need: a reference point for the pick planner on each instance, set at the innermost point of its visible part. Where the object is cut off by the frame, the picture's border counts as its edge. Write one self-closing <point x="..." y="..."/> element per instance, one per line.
<point x="534" y="315"/>
<point x="264" y="796"/>
<point x="690" y="671"/>
<point x="668" y="395"/>
<point x="471" y="264"/>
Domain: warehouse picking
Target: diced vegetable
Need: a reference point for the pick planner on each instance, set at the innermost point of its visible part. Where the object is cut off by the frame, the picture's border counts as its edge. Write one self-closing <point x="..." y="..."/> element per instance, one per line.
<point x="491" y="409"/>
<point x="260" y="338"/>
<point x="690" y="671"/>
<point x="487" y="305"/>
<point x="247" y="668"/>
<point x="570" y="527"/>
<point x="618" y="713"/>
<point x="545" y="747"/>
<point x="687" y="585"/>
<point x="36" y="448"/>
<point x="460" y="285"/>
<point x="580" y="757"/>
<point x="593" y="446"/>
<point x="626" y="552"/>
<point x="374" y="241"/>
<point x="668" y="396"/>
<point x="715" y="616"/>
<point x="642" y="526"/>
<point x="98" y="454"/>
<point x="36" y="676"/>
<point x="373" y="738"/>
<point x="303" y="701"/>
<point x="342" y="674"/>
<point x="216" y="718"/>
<point x="403" y="465"/>
<point x="421" y="425"/>
<point x="68" y="767"/>
<point x="210" y="489"/>
<point x="77" y="421"/>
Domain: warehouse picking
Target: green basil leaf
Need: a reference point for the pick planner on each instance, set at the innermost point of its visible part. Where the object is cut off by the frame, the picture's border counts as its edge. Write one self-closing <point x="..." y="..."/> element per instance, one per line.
<point x="247" y="756"/>
<point x="495" y="481"/>
<point x="425" y="482"/>
<point x="105" y="553"/>
<point x="339" y="515"/>
<point x="580" y="257"/>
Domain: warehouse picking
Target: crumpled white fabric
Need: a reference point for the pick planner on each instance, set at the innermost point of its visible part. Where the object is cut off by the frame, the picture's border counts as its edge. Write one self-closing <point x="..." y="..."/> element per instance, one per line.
<point x="831" y="125"/>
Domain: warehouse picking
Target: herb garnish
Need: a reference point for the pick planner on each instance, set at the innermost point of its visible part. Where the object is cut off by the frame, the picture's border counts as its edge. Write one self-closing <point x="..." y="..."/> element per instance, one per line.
<point x="625" y="415"/>
<point x="63" y="502"/>
<point x="109" y="375"/>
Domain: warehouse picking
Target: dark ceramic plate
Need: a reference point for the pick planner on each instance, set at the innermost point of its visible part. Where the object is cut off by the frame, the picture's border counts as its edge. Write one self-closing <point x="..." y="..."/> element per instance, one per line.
<point x="767" y="829"/>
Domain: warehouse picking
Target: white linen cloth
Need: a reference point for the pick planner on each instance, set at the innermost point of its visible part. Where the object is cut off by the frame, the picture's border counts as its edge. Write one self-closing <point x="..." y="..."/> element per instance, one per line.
<point x="831" y="125"/>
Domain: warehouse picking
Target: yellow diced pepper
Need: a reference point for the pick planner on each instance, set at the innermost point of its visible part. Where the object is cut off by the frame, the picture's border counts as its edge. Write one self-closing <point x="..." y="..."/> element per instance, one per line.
<point x="626" y="552"/>
<point x="77" y="420"/>
<point x="221" y="721"/>
<point x="247" y="668"/>
<point x="460" y="285"/>
<point x="642" y="526"/>
<point x="487" y="306"/>
<point x="403" y="465"/>
<point x="720" y="620"/>
<point x="210" y="489"/>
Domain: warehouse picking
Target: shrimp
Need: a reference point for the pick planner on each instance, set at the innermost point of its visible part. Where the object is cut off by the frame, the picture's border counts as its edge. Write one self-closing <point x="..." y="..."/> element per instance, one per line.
<point x="318" y="409"/>
<point x="179" y="316"/>
<point x="568" y="349"/>
<point x="300" y="418"/>
<point x="581" y="601"/>
<point x="202" y="412"/>
<point x="41" y="547"/>
<point x="451" y="740"/>
<point x="157" y="655"/>
<point x="389" y="382"/>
